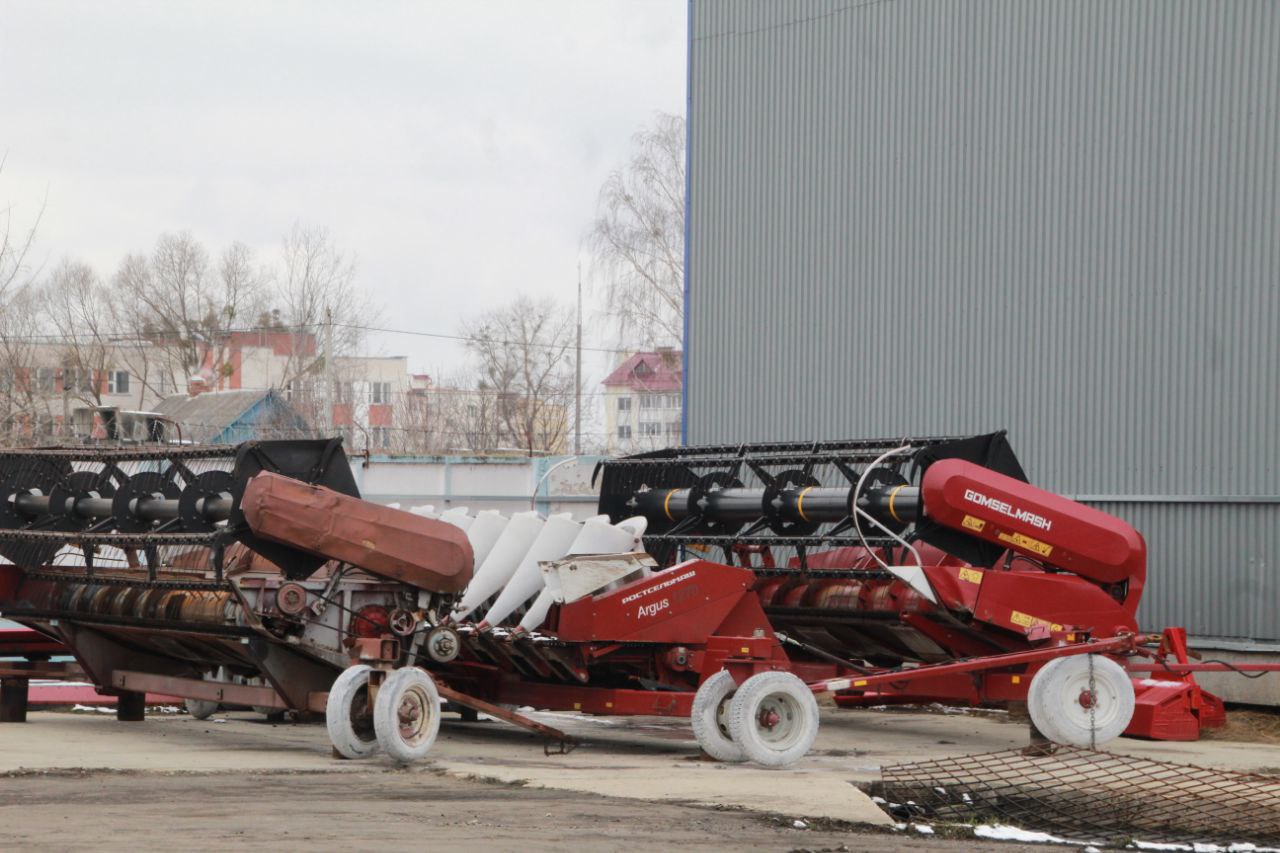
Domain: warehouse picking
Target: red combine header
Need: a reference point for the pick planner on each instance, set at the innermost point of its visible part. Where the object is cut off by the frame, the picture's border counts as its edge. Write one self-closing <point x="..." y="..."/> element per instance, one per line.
<point x="730" y="584"/>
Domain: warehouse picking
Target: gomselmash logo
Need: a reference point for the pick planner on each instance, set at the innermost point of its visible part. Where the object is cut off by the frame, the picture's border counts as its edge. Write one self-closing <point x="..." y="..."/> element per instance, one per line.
<point x="1006" y="508"/>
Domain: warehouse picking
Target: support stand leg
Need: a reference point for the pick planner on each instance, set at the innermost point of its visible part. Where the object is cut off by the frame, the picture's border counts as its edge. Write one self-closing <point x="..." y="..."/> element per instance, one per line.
<point x="13" y="700"/>
<point x="131" y="707"/>
<point x="1039" y="745"/>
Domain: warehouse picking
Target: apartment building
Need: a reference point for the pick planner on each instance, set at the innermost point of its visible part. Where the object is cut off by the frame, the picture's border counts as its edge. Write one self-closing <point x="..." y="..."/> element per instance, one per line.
<point x="643" y="402"/>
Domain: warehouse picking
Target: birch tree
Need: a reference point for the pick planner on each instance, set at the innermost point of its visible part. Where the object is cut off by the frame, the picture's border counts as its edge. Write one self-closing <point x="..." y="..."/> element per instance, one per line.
<point x="637" y="237"/>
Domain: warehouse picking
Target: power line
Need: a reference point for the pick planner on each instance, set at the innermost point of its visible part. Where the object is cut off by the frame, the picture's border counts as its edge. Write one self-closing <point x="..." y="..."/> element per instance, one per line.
<point x="121" y="338"/>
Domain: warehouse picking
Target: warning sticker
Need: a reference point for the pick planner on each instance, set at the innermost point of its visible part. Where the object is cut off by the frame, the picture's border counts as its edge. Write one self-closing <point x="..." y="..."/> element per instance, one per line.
<point x="1035" y="546"/>
<point x="973" y="523"/>
<point x="971" y="575"/>
<point x="1026" y="620"/>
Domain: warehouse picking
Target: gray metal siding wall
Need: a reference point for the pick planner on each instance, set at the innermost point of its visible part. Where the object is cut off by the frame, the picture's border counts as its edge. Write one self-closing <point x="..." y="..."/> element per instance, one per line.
<point x="1060" y="218"/>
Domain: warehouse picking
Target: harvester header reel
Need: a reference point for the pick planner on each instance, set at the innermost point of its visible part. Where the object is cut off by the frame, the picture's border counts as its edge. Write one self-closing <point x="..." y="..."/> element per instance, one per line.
<point x="104" y="500"/>
<point x="795" y="496"/>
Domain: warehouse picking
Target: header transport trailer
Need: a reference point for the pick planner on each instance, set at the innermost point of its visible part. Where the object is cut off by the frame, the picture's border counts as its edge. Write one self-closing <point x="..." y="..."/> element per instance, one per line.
<point x="729" y="584"/>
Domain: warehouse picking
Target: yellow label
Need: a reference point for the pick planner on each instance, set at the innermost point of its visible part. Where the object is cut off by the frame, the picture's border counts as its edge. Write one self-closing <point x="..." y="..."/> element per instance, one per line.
<point x="1026" y="621"/>
<point x="1026" y="542"/>
<point x="973" y="523"/>
<point x="971" y="575"/>
<point x="1017" y="679"/>
<point x="859" y="684"/>
<point x="746" y="650"/>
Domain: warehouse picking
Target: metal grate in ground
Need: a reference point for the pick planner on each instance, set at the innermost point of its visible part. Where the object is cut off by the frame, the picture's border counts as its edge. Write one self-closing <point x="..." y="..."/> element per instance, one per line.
<point x="1093" y="796"/>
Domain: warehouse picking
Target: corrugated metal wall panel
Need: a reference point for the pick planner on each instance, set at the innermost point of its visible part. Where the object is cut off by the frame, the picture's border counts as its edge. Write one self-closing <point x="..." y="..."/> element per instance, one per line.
<point x="916" y="217"/>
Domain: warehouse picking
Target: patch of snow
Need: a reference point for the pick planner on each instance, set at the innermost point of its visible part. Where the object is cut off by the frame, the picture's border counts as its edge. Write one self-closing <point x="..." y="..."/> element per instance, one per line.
<point x="923" y="828"/>
<point x="799" y="824"/>
<point x="1004" y="832"/>
<point x="101" y="709"/>
<point x="879" y="801"/>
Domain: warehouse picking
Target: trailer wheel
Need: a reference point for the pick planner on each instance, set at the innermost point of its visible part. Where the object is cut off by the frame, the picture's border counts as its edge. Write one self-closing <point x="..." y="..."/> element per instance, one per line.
<point x="347" y="714"/>
<point x="406" y="714"/>
<point x="774" y="718"/>
<point x="710" y="717"/>
<point x="203" y="709"/>
<point x="1081" y="700"/>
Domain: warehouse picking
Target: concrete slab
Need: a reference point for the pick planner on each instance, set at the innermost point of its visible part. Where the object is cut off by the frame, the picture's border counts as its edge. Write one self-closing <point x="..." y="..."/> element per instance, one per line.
<point x="642" y="758"/>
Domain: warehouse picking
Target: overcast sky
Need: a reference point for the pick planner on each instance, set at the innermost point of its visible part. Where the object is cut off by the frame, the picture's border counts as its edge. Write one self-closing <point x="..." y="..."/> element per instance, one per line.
<point x="455" y="147"/>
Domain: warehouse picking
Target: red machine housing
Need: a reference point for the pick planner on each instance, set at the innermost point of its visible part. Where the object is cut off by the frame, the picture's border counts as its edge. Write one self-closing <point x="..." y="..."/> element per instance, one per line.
<point x="1036" y="523"/>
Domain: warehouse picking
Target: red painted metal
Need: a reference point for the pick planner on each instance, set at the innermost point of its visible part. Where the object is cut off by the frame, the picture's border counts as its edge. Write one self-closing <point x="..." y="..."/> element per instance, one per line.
<point x="684" y="604"/>
<point x="606" y="701"/>
<point x="22" y="642"/>
<point x="1036" y="523"/>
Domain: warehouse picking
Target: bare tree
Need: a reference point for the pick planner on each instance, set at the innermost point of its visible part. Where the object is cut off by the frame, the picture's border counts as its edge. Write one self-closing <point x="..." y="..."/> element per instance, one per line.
<point x="78" y="306"/>
<point x="464" y="416"/>
<point x="186" y="309"/>
<point x="26" y="387"/>
<point x="524" y="361"/>
<point x="14" y="245"/>
<point x="315" y="287"/>
<point x="637" y="238"/>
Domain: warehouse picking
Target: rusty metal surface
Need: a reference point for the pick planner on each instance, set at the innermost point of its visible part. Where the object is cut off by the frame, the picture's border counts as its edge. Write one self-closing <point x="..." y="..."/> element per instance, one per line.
<point x="1085" y="795"/>
<point x="427" y="554"/>
<point x="195" y="688"/>
<point x="501" y="713"/>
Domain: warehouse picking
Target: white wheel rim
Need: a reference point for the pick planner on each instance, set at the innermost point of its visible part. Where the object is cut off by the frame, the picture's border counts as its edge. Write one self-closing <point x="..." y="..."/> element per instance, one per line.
<point x="1089" y="710"/>
<point x="778" y="720"/>
<point x="413" y="715"/>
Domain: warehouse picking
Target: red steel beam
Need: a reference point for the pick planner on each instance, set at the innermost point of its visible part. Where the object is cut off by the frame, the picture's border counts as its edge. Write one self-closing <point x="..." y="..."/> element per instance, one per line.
<point x="901" y="676"/>
<point x="18" y="642"/>
<point x="196" y="688"/>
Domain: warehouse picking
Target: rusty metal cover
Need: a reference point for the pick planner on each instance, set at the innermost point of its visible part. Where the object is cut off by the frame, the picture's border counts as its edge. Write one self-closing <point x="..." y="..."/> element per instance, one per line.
<point x="428" y="554"/>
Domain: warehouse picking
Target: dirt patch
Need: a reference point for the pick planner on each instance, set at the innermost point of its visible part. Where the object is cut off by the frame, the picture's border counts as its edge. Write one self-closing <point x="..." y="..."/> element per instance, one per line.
<point x="1247" y="725"/>
<point x="395" y="810"/>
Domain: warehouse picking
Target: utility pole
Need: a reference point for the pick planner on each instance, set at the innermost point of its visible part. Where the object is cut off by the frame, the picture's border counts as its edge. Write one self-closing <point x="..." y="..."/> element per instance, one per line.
<point x="328" y="373"/>
<point x="577" y="380"/>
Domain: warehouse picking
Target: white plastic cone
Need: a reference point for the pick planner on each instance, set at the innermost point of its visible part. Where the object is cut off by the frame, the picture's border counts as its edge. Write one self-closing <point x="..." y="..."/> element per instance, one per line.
<point x="484" y="532"/>
<point x="597" y="537"/>
<point x="457" y="517"/>
<point x="501" y="562"/>
<point x="552" y="544"/>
